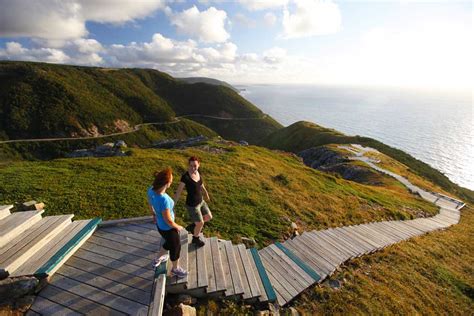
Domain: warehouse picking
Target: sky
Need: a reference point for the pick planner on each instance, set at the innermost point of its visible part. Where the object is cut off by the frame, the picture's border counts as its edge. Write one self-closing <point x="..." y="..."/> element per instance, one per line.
<point x="392" y="43"/>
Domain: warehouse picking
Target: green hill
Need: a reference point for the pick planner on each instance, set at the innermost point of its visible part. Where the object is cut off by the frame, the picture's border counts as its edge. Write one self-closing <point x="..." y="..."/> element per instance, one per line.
<point x="302" y="135"/>
<point x="39" y="100"/>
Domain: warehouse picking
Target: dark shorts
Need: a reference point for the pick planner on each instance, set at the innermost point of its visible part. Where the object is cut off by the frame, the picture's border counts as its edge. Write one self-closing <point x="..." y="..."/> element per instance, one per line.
<point x="197" y="212"/>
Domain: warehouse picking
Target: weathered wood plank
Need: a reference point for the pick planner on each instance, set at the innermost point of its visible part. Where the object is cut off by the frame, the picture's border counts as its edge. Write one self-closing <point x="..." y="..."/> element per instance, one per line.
<point x="357" y="251"/>
<point x="123" y="231"/>
<point x="74" y="302"/>
<point x="13" y="258"/>
<point x="281" y="293"/>
<point x="138" y="244"/>
<point x="355" y="240"/>
<point x="149" y="255"/>
<point x="14" y="224"/>
<point x="289" y="266"/>
<point x="192" y="266"/>
<point x="211" y="277"/>
<point x="234" y="270"/>
<point x="317" y="263"/>
<point x="116" y="254"/>
<point x="229" y="286"/>
<point x="281" y="283"/>
<point x="35" y="262"/>
<point x="247" y="265"/>
<point x="98" y="295"/>
<point x="243" y="277"/>
<point x="158" y="300"/>
<point x="114" y="264"/>
<point x="105" y="284"/>
<point x="217" y="264"/>
<point x="44" y="306"/>
<point x="111" y="274"/>
<point x="5" y="211"/>
<point x="336" y="243"/>
<point x="201" y="267"/>
<point x="326" y="254"/>
<point x="324" y="247"/>
<point x="318" y="257"/>
<point x="263" y="294"/>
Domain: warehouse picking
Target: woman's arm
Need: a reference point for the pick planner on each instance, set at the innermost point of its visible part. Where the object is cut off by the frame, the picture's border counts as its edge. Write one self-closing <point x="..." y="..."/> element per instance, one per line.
<point x="152" y="213"/>
<point x="203" y="188"/>
<point x="178" y="192"/>
<point x="167" y="217"/>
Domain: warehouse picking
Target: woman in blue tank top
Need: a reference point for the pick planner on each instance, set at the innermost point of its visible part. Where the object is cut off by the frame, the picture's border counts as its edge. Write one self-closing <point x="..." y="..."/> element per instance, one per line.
<point x="161" y="206"/>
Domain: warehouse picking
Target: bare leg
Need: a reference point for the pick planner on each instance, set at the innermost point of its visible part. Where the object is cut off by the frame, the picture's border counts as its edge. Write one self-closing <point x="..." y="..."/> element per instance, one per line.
<point x="174" y="264"/>
<point x="198" y="228"/>
<point x="162" y="252"/>
<point x="207" y="217"/>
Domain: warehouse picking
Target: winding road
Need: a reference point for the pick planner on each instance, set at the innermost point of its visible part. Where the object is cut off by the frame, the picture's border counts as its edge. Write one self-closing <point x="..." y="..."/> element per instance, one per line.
<point x="134" y="129"/>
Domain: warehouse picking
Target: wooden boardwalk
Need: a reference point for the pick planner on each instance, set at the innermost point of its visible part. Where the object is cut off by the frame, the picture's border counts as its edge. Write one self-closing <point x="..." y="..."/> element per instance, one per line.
<point x="111" y="273"/>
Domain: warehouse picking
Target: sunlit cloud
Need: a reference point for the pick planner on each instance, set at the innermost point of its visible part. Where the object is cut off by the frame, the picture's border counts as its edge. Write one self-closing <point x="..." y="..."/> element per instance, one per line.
<point x="311" y="18"/>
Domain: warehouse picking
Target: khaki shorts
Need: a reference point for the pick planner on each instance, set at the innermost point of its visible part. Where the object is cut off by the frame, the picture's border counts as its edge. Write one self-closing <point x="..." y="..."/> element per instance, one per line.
<point x="197" y="212"/>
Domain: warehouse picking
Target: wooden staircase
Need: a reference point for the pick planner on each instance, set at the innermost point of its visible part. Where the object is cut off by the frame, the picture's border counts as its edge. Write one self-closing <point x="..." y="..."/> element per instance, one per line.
<point x="34" y="245"/>
<point x="221" y="270"/>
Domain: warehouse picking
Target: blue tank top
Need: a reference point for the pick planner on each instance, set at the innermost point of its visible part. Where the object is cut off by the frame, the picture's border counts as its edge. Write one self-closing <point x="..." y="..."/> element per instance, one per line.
<point x="159" y="203"/>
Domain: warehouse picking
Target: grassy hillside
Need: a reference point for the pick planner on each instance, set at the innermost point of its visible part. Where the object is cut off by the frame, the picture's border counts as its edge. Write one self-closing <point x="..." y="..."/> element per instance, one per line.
<point x="39" y="100"/>
<point x="303" y="135"/>
<point x="255" y="192"/>
<point x="146" y="137"/>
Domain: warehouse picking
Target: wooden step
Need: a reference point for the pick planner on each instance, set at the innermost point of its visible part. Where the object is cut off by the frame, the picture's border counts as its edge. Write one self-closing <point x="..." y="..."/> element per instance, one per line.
<point x="53" y="255"/>
<point x="158" y="298"/>
<point x="233" y="282"/>
<point x="26" y="245"/>
<point x="251" y="289"/>
<point x="5" y="210"/>
<point x="314" y="260"/>
<point x="197" y="267"/>
<point x="315" y="277"/>
<point x="16" y="223"/>
<point x="215" y="270"/>
<point x="263" y="298"/>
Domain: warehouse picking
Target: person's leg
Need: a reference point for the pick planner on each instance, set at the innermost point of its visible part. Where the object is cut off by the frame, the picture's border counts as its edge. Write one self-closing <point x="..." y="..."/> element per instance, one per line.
<point x="175" y="250"/>
<point x="206" y="212"/>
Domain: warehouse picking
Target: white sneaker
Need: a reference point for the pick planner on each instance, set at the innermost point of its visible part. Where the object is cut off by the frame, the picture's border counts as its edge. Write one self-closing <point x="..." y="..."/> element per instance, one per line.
<point x="159" y="260"/>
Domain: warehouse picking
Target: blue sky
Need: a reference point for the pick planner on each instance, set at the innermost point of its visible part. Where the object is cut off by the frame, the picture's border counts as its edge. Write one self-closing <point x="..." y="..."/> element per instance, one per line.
<point x="398" y="43"/>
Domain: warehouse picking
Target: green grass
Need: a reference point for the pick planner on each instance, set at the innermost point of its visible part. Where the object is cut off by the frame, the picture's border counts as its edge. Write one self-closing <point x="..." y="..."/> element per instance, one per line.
<point x="255" y="192"/>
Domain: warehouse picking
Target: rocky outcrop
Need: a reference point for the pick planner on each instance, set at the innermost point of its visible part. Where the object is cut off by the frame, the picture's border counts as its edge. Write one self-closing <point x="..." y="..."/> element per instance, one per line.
<point x="105" y="150"/>
<point x="329" y="160"/>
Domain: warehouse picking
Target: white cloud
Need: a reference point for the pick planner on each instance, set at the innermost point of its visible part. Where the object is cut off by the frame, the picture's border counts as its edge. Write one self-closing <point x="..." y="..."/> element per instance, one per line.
<point x="113" y="11"/>
<point x="274" y="55"/>
<point x="245" y="21"/>
<point x="207" y="26"/>
<point x="57" y="21"/>
<point x="311" y="18"/>
<point x="269" y="19"/>
<point x="255" y="5"/>
<point x="15" y="51"/>
<point x="88" y="46"/>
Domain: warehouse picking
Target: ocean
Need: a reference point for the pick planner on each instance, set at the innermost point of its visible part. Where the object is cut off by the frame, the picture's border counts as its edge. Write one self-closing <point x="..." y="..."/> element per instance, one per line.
<point x="433" y="126"/>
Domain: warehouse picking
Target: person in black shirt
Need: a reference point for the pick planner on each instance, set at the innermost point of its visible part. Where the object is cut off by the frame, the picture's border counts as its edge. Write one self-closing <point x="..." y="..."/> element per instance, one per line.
<point x="198" y="209"/>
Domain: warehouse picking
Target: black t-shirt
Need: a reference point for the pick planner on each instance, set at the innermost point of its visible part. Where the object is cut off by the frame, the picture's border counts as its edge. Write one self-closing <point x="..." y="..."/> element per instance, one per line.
<point x="193" y="188"/>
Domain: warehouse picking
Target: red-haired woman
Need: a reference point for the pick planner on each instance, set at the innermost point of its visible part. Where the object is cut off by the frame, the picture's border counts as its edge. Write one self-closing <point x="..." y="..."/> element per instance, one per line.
<point x="197" y="207"/>
<point x="161" y="206"/>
